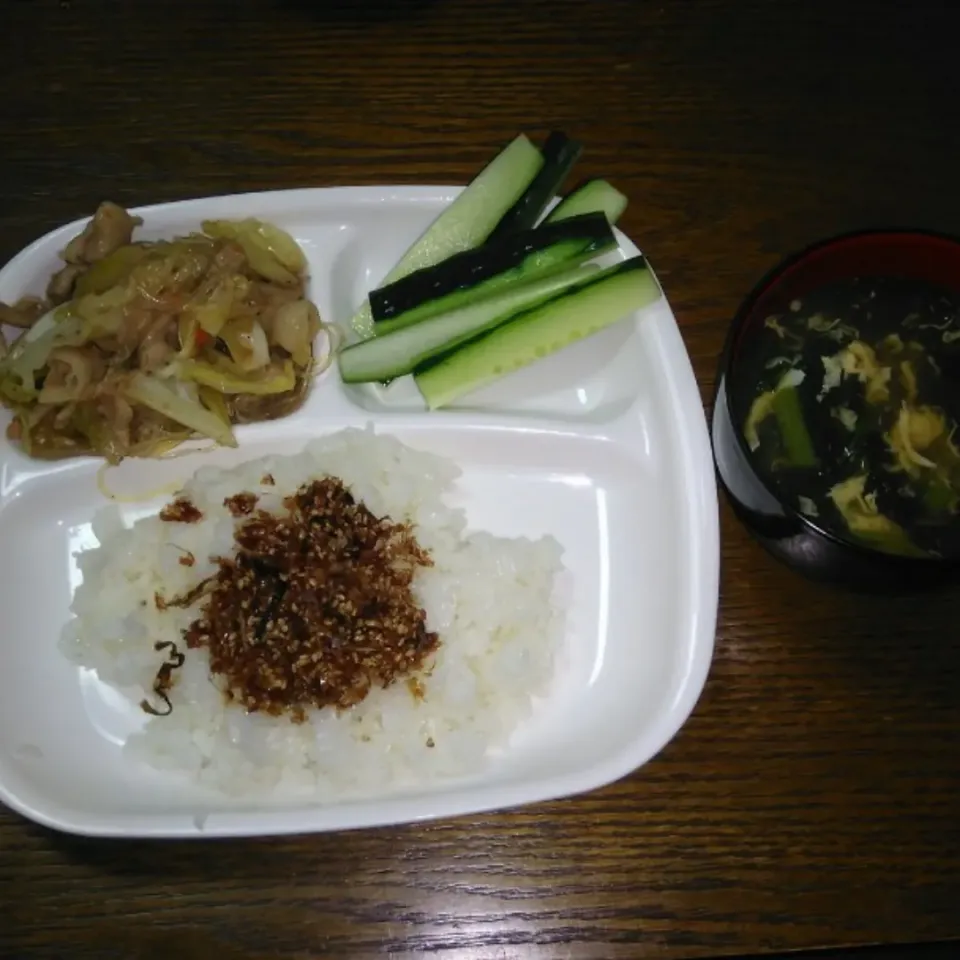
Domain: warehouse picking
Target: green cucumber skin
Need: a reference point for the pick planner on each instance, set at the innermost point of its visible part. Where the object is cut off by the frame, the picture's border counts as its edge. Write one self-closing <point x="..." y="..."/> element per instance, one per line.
<point x="594" y="196"/>
<point x="469" y="219"/>
<point x="385" y="357"/>
<point x="539" y="265"/>
<point x="560" y="153"/>
<point x="609" y="297"/>
<point x="465" y="270"/>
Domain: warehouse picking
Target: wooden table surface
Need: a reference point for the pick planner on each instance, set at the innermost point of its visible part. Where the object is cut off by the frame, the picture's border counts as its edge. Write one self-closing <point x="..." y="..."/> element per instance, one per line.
<point x="812" y="799"/>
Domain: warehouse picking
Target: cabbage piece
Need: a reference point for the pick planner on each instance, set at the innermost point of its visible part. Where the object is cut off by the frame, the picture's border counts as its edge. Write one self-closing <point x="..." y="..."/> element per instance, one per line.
<point x="214" y="402"/>
<point x="267" y="381"/>
<point x="115" y="268"/>
<point x="171" y="268"/>
<point x="282" y="246"/>
<point x="41" y="328"/>
<point x="103" y="313"/>
<point x="211" y="307"/>
<point x="30" y="352"/>
<point x="272" y="252"/>
<point x="154" y="393"/>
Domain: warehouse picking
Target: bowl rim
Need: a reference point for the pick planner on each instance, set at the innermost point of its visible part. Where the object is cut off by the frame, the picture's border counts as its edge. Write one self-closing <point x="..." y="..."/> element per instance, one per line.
<point x="737" y="323"/>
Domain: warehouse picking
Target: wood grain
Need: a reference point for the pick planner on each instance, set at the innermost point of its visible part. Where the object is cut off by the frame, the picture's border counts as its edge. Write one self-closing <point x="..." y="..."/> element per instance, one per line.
<point x="812" y="799"/>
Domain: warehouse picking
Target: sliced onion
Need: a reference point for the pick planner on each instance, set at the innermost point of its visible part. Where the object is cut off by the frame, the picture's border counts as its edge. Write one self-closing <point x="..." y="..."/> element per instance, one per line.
<point x="294" y="327"/>
<point x="212" y="307"/>
<point x="187" y="327"/>
<point x="247" y="343"/>
<point x="335" y="340"/>
<point x="155" y="394"/>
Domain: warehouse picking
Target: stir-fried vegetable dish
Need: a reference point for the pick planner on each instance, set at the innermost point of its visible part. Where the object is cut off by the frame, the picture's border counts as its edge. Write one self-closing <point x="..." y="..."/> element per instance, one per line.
<point x="138" y="346"/>
<point x="851" y="411"/>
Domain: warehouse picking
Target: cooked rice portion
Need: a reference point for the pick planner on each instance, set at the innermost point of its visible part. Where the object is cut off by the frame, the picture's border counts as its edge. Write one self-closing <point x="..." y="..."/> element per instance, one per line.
<point x="490" y="603"/>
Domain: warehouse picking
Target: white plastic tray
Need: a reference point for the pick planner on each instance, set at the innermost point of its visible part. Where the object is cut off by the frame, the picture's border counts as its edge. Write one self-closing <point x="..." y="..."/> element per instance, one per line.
<point x="603" y="445"/>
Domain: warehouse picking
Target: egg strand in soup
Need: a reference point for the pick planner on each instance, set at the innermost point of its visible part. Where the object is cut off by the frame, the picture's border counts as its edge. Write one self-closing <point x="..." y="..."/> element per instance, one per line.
<point x="848" y="404"/>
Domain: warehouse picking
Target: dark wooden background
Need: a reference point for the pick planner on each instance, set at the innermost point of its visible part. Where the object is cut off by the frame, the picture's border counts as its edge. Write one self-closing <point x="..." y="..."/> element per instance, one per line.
<point x="813" y="798"/>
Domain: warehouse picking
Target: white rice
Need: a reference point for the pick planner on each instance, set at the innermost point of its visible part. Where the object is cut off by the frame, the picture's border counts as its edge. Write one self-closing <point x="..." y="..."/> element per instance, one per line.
<point x="492" y="600"/>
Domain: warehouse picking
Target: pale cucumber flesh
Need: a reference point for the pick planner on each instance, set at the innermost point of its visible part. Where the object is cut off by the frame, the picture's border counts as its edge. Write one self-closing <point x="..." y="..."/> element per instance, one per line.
<point x="558" y="258"/>
<point x="469" y="220"/>
<point x="595" y="196"/>
<point x="609" y="297"/>
<point x="388" y="356"/>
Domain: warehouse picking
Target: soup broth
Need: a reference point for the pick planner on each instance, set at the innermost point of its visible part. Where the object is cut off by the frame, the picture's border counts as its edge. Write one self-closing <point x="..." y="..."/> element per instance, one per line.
<point x="848" y="400"/>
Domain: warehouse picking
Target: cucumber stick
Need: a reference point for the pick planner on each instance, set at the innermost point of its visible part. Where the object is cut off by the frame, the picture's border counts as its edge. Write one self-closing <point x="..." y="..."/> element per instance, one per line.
<point x="560" y="153"/>
<point x="479" y="272"/>
<point x="557" y="259"/>
<point x="388" y="356"/>
<point x="594" y="196"/>
<point x="470" y="219"/>
<point x="610" y="296"/>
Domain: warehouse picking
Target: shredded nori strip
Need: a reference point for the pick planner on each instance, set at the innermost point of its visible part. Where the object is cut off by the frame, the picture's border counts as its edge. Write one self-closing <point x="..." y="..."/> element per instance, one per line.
<point x="163" y="680"/>
<point x="192" y="595"/>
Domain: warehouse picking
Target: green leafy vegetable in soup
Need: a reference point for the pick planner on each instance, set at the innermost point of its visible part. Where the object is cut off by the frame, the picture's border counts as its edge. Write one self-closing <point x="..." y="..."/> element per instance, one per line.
<point x="848" y="402"/>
